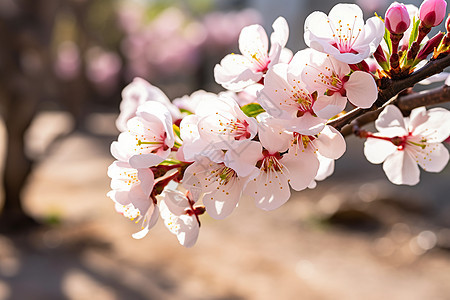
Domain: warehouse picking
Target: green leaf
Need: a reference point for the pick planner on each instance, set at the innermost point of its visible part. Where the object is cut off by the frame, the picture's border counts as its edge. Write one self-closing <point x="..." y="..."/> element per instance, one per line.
<point x="387" y="39"/>
<point x="414" y="31"/>
<point x="169" y="162"/>
<point x="176" y="130"/>
<point x="252" y="109"/>
<point x="186" y="111"/>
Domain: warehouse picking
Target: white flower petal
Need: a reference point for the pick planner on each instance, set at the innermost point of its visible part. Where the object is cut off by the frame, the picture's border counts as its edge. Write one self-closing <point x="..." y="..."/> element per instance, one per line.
<point x="391" y="116"/>
<point x="434" y="124"/>
<point x="176" y="201"/>
<point x="327" y="107"/>
<point x="243" y="158"/>
<point x="150" y="220"/>
<point x="276" y="95"/>
<point x="147" y="160"/>
<point x="306" y="125"/>
<point x="270" y="190"/>
<point x="185" y="227"/>
<point x="120" y="150"/>
<point x="188" y="232"/>
<point x="120" y="197"/>
<point x="311" y="27"/>
<point x="234" y="72"/>
<point x="147" y="179"/>
<point x="326" y="168"/>
<point x="151" y="110"/>
<point x="221" y="202"/>
<point x="280" y="33"/>
<point x="371" y="36"/>
<point x="302" y="166"/>
<point x="285" y="56"/>
<point x="361" y="89"/>
<point x="139" y="200"/>
<point x="433" y="158"/>
<point x="401" y="168"/>
<point x="347" y="16"/>
<point x="330" y="143"/>
<point x="253" y="41"/>
<point x="376" y="150"/>
<point x="273" y="136"/>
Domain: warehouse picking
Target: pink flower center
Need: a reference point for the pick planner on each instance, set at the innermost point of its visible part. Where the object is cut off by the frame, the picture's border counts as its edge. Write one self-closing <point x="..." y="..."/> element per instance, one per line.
<point x="303" y="140"/>
<point x="402" y="141"/>
<point x="153" y="144"/>
<point x="237" y="128"/>
<point x="260" y="62"/>
<point x="223" y="175"/>
<point x="345" y="36"/>
<point x="270" y="162"/>
<point x="334" y="83"/>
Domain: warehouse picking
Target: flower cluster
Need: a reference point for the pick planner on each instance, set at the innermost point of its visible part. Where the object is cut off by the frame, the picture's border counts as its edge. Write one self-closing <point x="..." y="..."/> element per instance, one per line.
<point x="269" y="131"/>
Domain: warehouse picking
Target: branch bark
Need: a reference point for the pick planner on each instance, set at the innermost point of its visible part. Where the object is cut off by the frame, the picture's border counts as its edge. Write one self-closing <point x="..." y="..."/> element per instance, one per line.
<point x="390" y="88"/>
<point x="406" y="103"/>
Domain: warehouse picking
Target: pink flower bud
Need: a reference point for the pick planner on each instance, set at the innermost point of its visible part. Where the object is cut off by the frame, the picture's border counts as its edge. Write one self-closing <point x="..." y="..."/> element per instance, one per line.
<point x="397" y="18"/>
<point x="428" y="48"/>
<point x="432" y="12"/>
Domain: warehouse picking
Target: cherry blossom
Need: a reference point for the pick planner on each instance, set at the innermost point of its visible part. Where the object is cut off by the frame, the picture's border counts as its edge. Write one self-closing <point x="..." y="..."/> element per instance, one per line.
<point x="188" y="104"/>
<point x="271" y="171"/>
<point x="317" y="152"/>
<point x="194" y="147"/>
<point x="343" y="33"/>
<point x="334" y="83"/>
<point x="131" y="189"/>
<point x="221" y="185"/>
<point x="135" y="94"/>
<point x="403" y="143"/>
<point x="223" y="124"/>
<point x="236" y="71"/>
<point x="149" y="137"/>
<point x="180" y="216"/>
<point x="286" y="97"/>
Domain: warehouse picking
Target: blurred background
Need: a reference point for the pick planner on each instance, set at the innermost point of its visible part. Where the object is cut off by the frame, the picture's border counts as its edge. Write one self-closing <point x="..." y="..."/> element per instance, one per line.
<point x="63" y="64"/>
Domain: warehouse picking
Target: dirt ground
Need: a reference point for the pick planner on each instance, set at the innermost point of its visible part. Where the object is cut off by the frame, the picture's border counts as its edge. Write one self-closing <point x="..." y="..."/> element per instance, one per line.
<point x="354" y="237"/>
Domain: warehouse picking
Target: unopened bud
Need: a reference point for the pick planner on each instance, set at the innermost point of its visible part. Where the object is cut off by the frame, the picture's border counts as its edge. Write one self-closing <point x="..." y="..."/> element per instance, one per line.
<point x="397" y="18"/>
<point x="413" y="51"/>
<point x="429" y="46"/>
<point x="432" y="12"/>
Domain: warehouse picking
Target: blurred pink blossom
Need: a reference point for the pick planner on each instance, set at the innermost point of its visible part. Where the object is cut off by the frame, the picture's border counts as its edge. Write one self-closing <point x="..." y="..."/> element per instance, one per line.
<point x="67" y="64"/>
<point x="103" y="69"/>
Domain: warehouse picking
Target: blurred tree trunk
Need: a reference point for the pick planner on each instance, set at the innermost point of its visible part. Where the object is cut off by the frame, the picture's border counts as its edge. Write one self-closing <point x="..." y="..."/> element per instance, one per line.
<point x="25" y="69"/>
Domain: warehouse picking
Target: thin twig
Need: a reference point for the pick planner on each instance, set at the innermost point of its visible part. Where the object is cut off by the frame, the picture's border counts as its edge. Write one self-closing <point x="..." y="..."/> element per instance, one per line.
<point x="390" y="88"/>
<point x="406" y="103"/>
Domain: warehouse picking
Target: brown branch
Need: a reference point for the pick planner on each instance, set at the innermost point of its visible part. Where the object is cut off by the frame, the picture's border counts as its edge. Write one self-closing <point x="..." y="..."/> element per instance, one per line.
<point x="390" y="88"/>
<point x="406" y="103"/>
